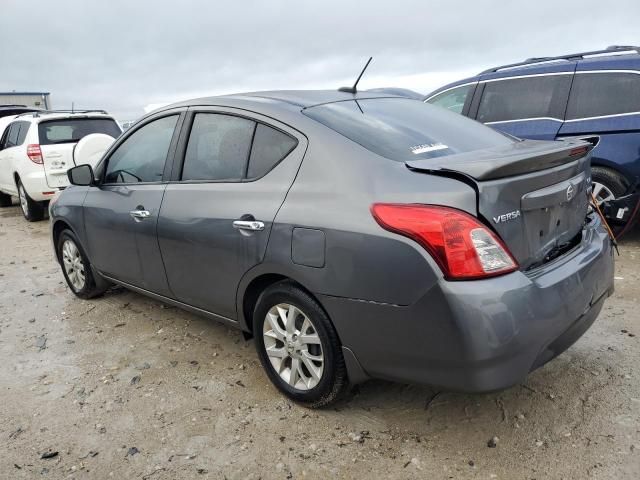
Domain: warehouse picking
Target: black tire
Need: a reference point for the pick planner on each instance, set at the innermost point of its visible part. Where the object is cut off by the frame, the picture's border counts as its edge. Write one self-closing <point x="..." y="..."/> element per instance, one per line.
<point x="90" y="288"/>
<point x="333" y="380"/>
<point x="33" y="211"/>
<point x="612" y="180"/>
<point x="5" y="200"/>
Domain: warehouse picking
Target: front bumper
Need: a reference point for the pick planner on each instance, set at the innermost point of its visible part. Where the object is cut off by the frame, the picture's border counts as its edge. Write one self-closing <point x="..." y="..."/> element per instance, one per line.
<point x="481" y="335"/>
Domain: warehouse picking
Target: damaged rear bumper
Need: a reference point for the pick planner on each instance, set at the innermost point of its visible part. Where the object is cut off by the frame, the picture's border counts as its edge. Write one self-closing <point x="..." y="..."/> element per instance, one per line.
<point x="481" y="335"/>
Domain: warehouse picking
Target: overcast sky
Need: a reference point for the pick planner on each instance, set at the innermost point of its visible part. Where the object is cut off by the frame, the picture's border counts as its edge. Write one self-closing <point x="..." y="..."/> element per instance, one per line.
<point x="125" y="55"/>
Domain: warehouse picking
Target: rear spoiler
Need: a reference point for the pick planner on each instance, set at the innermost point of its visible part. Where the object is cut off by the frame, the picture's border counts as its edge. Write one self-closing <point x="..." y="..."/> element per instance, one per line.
<point x="518" y="158"/>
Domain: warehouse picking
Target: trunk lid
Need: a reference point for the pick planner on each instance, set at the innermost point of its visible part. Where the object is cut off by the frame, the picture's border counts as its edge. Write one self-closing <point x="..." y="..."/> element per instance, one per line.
<point x="532" y="193"/>
<point x="57" y="159"/>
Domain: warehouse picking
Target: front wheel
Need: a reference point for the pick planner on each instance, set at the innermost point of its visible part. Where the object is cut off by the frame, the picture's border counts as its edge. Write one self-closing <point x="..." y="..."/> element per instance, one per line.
<point x="33" y="211"/>
<point x="76" y="267"/>
<point x="298" y="346"/>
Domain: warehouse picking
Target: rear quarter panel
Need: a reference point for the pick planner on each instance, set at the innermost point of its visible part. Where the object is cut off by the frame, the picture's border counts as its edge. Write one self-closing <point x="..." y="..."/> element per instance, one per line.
<point x="333" y="192"/>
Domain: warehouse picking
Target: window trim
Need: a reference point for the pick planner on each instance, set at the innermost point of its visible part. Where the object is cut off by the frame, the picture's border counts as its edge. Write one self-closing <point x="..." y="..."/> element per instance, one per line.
<point x="183" y="142"/>
<point x="168" y="163"/>
<point x="466" y="84"/>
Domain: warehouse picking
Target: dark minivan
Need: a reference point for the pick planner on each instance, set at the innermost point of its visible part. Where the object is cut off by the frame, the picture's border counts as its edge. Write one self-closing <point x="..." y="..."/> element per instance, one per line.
<point x="591" y="94"/>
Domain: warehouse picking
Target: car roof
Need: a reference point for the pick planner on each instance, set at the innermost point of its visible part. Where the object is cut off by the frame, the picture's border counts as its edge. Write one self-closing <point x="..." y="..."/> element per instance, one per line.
<point x="7" y="110"/>
<point x="40" y="115"/>
<point x="296" y="98"/>
<point x="285" y="105"/>
<point x="612" y="58"/>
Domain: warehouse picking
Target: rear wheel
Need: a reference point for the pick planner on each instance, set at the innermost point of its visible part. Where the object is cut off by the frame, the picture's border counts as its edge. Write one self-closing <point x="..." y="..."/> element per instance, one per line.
<point x="5" y="200"/>
<point x="298" y="346"/>
<point x="33" y="211"/>
<point x="76" y="267"/>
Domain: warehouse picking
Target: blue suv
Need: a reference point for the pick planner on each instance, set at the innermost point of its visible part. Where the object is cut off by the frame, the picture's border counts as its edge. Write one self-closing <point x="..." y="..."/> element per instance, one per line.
<point x="591" y="94"/>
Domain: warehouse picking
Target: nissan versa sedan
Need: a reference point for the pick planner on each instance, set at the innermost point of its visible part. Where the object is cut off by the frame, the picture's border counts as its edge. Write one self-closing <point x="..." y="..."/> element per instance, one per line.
<point x="353" y="236"/>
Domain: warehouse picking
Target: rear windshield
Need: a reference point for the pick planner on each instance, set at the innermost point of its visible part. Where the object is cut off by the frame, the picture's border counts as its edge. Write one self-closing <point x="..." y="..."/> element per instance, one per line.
<point x="70" y="130"/>
<point x="403" y="129"/>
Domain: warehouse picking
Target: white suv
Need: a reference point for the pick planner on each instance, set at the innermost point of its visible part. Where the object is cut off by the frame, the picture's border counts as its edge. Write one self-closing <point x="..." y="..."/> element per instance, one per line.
<point x="36" y="150"/>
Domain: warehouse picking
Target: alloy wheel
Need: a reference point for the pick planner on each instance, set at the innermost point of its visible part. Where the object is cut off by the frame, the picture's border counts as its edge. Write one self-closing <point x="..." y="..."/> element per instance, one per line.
<point x="602" y="193"/>
<point x="23" y="200"/>
<point x="293" y="346"/>
<point x="73" y="265"/>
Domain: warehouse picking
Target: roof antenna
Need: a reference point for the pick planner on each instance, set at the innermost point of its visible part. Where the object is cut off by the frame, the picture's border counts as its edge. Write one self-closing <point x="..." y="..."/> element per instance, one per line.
<point x="353" y="89"/>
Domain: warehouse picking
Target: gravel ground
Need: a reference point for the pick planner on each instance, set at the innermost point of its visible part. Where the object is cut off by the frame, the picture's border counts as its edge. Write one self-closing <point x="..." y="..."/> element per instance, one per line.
<point x="125" y="387"/>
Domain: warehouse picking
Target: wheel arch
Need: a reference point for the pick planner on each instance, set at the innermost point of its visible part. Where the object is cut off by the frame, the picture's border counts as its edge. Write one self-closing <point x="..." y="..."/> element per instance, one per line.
<point x="57" y="228"/>
<point x="253" y="284"/>
<point x="248" y="295"/>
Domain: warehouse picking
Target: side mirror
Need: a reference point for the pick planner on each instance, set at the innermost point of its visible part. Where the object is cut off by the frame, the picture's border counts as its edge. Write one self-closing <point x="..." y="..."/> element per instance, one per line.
<point x="82" y="175"/>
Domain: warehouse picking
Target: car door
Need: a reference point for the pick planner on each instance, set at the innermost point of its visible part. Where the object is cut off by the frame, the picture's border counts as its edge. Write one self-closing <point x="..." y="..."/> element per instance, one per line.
<point x="11" y="139"/>
<point x="529" y="106"/>
<point x="217" y="212"/>
<point x="606" y="104"/>
<point x="121" y="213"/>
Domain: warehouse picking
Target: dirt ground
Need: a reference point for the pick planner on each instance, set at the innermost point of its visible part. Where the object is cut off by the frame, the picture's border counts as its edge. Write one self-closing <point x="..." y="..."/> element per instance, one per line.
<point x="125" y="387"/>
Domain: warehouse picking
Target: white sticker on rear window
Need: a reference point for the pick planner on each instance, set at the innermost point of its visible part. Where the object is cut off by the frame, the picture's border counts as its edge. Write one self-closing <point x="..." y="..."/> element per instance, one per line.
<point x="427" y="147"/>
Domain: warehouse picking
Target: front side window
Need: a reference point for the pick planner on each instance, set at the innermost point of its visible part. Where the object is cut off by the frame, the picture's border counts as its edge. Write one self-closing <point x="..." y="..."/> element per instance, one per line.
<point x="218" y="148"/>
<point x="71" y="130"/>
<point x="453" y="99"/>
<point x="600" y="94"/>
<point x="142" y="155"/>
<point x="403" y="130"/>
<point x="524" y="98"/>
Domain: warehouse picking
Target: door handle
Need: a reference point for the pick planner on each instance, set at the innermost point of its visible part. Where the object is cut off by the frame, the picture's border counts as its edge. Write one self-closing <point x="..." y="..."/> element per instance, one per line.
<point x="252" y="225"/>
<point x="139" y="214"/>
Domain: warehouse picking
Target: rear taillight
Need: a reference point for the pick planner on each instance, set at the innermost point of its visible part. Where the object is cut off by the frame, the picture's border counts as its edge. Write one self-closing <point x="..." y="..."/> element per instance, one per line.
<point x="461" y="245"/>
<point x="34" y="153"/>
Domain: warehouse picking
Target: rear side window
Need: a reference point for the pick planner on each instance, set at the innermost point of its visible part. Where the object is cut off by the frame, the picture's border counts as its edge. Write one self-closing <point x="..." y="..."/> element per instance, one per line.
<point x="599" y="94"/>
<point x="270" y="146"/>
<point x="453" y="99"/>
<point x="404" y="129"/>
<point x="218" y="148"/>
<point x="142" y="155"/>
<point x="14" y="133"/>
<point x="24" y="128"/>
<point x="71" y="130"/>
<point x="524" y="98"/>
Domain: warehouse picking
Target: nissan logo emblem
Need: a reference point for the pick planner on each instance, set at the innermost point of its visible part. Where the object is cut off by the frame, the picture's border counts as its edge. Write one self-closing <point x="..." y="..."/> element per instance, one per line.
<point x="570" y="193"/>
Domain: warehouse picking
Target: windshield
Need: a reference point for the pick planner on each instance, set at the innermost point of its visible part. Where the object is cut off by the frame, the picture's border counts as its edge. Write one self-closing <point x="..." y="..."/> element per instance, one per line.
<point x="71" y="130"/>
<point x="403" y="129"/>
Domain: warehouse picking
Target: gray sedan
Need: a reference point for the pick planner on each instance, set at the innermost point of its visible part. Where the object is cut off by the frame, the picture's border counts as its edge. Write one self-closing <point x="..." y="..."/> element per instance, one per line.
<point x="352" y="235"/>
